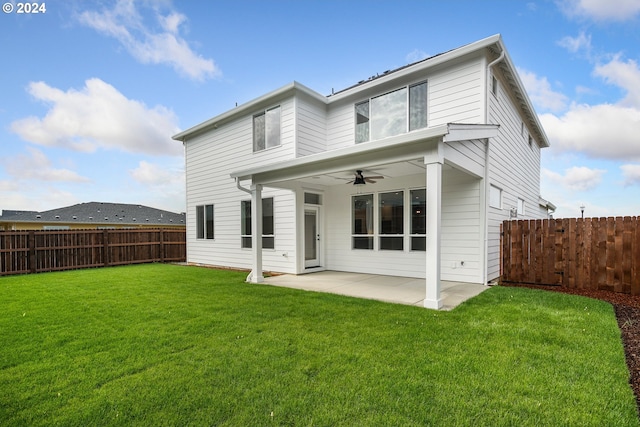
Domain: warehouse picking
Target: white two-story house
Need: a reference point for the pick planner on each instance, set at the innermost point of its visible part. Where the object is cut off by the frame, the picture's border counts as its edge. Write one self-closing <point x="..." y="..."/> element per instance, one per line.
<point x="408" y="173"/>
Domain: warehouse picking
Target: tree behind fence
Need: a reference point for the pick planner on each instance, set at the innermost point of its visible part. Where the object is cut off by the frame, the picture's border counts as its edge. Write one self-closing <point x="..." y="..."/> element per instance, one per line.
<point x="590" y="253"/>
<point x="37" y="251"/>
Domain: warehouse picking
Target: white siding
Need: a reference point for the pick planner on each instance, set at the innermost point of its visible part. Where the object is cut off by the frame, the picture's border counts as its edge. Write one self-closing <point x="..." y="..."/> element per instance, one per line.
<point x="461" y="231"/>
<point x="456" y="94"/>
<point x="514" y="166"/>
<point x="210" y="158"/>
<point x="312" y="126"/>
<point x="461" y="228"/>
<point x="341" y="257"/>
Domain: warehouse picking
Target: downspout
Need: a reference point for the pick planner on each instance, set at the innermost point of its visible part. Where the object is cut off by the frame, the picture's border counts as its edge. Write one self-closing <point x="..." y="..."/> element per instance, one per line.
<point x="241" y="187"/>
<point x="487" y="188"/>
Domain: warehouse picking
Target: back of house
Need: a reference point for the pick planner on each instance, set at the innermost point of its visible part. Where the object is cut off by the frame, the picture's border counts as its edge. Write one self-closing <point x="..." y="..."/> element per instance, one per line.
<point x="409" y="173"/>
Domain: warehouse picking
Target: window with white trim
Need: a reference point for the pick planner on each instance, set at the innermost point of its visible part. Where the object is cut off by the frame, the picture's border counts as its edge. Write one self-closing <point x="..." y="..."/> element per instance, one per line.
<point x="268" y="237"/>
<point x="391" y="227"/>
<point x="396" y="112"/>
<point x="204" y="222"/>
<point x="266" y="129"/>
<point x="418" y="219"/>
<point x="520" y="207"/>
<point x="495" y="197"/>
<point x="362" y="225"/>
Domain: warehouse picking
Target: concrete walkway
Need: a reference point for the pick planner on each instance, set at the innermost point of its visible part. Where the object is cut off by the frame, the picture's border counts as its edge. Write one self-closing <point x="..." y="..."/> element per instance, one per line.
<point x="394" y="289"/>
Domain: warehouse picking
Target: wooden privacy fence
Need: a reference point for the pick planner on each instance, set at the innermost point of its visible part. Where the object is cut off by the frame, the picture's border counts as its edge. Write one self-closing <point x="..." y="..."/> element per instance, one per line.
<point x="38" y="251"/>
<point x="590" y="253"/>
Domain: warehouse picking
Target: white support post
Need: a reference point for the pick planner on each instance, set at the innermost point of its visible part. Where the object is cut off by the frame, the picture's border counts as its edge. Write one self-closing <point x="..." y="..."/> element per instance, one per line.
<point x="256" y="234"/>
<point x="434" y="163"/>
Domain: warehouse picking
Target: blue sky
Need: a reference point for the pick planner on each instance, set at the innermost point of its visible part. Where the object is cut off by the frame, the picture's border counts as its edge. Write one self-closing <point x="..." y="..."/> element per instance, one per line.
<point x="92" y="91"/>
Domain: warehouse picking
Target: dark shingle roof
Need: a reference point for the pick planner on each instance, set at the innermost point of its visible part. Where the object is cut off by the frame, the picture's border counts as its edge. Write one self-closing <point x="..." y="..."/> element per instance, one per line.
<point x="98" y="213"/>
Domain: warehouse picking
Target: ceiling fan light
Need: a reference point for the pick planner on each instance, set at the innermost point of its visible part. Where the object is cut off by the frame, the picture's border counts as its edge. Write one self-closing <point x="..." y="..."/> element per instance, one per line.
<point x="359" y="180"/>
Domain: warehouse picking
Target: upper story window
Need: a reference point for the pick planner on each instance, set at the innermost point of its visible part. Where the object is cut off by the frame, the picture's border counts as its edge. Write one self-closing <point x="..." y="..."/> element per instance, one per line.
<point x="393" y="113"/>
<point x="266" y="129"/>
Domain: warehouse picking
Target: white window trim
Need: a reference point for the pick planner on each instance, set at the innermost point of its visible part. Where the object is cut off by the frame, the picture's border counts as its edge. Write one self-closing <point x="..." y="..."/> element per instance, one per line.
<point x="407" y="106"/>
<point x="491" y="189"/>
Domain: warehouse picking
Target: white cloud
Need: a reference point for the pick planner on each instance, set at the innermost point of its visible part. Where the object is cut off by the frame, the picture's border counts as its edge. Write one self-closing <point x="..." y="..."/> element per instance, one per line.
<point x="155" y="175"/>
<point x="541" y="93"/>
<point x="576" y="178"/>
<point x="577" y="44"/>
<point x="601" y="10"/>
<point x="98" y="116"/>
<point x="631" y="174"/>
<point x="416" y="55"/>
<point x="625" y="75"/>
<point x="165" y="184"/>
<point x="36" y="166"/>
<point x="604" y="131"/>
<point x="148" y="45"/>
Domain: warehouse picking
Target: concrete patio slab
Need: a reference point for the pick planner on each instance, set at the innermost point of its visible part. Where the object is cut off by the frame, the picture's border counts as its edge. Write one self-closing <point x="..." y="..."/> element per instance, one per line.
<point x="393" y="289"/>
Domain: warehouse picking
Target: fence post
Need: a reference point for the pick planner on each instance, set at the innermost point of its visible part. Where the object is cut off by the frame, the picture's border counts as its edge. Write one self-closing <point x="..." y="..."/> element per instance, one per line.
<point x="33" y="264"/>
<point x="161" y="245"/>
<point x="105" y="243"/>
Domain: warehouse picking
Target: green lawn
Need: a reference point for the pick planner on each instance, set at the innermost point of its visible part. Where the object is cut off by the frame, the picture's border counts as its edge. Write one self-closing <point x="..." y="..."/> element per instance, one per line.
<point x="155" y="345"/>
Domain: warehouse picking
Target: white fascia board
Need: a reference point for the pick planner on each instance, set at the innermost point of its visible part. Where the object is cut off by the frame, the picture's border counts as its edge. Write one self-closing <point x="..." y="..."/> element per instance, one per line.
<point x="247" y="107"/>
<point x="465" y="132"/>
<point x="528" y="105"/>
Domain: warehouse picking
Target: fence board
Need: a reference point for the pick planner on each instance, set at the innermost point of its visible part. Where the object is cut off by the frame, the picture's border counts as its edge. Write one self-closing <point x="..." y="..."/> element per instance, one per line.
<point x="590" y="253"/>
<point x="39" y="251"/>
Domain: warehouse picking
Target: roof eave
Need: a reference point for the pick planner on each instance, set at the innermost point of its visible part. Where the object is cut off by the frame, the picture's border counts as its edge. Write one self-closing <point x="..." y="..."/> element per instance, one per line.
<point x="248" y="107"/>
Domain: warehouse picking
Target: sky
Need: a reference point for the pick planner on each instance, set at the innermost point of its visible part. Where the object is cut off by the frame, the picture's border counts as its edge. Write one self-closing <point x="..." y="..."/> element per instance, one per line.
<point x="92" y="91"/>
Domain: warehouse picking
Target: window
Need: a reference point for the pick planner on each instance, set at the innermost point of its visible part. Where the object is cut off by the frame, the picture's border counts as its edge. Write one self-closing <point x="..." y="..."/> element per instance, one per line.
<point x="312" y="198"/>
<point x="268" y="239"/>
<point x="362" y="122"/>
<point x="418" y="106"/>
<point x="392" y="221"/>
<point x="495" y="197"/>
<point x="520" y="207"/>
<point x="266" y="129"/>
<point x="362" y="206"/>
<point x="418" y="220"/>
<point x="204" y="222"/>
<point x="391" y="114"/>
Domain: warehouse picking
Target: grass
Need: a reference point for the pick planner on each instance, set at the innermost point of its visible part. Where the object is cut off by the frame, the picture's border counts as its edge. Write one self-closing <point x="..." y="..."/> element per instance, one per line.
<point x="186" y="346"/>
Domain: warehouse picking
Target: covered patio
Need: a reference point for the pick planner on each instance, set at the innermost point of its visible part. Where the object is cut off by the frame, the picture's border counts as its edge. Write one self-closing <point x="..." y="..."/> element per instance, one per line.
<point x="426" y="154"/>
<point x="392" y="289"/>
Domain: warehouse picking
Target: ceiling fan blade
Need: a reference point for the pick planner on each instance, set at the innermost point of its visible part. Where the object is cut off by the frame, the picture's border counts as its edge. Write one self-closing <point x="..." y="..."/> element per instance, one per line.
<point x="375" y="177"/>
<point x="370" y="181"/>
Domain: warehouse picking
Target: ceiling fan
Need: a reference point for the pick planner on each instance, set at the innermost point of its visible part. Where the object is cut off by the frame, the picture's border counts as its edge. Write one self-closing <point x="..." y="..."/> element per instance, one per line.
<point x="360" y="179"/>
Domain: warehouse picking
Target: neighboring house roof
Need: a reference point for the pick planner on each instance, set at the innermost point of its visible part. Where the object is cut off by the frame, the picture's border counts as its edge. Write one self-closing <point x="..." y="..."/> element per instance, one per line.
<point x="493" y="44"/>
<point x="98" y="213"/>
